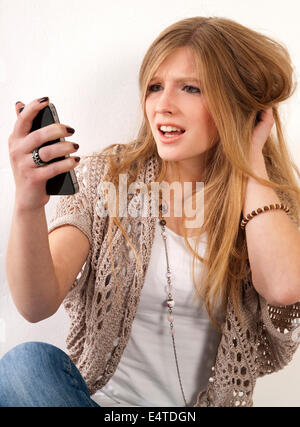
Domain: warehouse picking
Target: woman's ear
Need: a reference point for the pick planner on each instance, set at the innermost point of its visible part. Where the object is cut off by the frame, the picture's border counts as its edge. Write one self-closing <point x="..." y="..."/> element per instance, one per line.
<point x="257" y="117"/>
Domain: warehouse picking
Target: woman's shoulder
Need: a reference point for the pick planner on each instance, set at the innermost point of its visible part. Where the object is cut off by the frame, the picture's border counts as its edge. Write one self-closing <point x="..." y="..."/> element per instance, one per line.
<point x="98" y="159"/>
<point x="118" y="158"/>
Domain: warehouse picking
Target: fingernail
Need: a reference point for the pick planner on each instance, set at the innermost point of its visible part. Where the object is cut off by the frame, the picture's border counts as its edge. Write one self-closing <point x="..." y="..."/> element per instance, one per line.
<point x="76" y="146"/>
<point x="43" y="99"/>
<point x="70" y="130"/>
<point x="18" y="102"/>
<point x="77" y="159"/>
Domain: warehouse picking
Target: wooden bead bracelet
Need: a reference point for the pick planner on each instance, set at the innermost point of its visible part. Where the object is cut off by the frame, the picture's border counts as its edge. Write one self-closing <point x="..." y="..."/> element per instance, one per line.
<point x="246" y="219"/>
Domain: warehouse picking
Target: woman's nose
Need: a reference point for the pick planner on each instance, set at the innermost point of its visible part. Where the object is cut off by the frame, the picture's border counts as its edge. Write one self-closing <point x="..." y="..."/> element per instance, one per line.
<point x="165" y="102"/>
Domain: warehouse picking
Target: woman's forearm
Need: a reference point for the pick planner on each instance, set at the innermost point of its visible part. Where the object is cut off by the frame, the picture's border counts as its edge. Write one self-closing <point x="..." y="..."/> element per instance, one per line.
<point x="273" y="243"/>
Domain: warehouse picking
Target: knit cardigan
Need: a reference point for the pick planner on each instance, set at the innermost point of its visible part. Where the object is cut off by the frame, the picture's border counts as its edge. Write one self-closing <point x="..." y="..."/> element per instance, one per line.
<point x="100" y="327"/>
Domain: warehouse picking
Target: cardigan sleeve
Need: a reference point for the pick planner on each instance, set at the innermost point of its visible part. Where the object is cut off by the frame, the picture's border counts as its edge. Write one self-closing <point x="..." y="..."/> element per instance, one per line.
<point x="76" y="209"/>
<point x="280" y="335"/>
<point x="275" y="330"/>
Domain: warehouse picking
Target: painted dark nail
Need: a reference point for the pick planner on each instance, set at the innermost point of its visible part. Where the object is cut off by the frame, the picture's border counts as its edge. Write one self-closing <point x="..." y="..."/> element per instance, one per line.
<point x="77" y="159"/>
<point x="43" y="99"/>
<point x="70" y="130"/>
<point x="76" y="146"/>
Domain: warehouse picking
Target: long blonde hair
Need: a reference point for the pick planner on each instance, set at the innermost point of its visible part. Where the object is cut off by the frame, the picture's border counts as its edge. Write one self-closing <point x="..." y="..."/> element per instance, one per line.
<point x="242" y="72"/>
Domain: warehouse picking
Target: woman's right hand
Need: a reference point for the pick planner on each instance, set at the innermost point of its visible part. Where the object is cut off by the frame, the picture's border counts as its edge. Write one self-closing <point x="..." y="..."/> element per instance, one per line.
<point x="30" y="180"/>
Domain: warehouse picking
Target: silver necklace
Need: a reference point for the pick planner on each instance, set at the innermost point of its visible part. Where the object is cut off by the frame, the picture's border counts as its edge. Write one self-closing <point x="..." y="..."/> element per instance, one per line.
<point x="170" y="300"/>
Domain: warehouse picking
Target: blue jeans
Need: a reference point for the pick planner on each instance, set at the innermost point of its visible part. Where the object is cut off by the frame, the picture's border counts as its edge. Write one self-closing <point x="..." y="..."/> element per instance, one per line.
<point x="40" y="374"/>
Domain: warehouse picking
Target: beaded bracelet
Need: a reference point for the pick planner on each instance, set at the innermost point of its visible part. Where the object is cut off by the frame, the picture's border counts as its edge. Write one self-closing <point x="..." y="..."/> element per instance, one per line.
<point x="246" y="219"/>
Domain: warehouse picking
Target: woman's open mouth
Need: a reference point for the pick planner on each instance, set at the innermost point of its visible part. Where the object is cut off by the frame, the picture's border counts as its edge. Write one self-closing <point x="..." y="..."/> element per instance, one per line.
<point x="168" y="137"/>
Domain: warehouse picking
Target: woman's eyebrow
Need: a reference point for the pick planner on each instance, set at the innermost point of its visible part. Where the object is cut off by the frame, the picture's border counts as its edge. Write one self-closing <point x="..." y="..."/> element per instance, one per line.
<point x="180" y="79"/>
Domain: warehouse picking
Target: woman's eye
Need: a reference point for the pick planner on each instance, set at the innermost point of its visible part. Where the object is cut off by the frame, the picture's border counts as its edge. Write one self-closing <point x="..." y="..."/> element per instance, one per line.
<point x="152" y="88"/>
<point x="192" y="87"/>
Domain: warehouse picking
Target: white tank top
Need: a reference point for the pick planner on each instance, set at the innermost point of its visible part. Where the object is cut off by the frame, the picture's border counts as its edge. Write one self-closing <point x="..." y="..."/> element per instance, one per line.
<point x="146" y="374"/>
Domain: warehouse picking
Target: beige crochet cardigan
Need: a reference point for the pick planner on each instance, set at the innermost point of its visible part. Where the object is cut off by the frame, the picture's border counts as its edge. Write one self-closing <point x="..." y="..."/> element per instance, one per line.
<point x="100" y="328"/>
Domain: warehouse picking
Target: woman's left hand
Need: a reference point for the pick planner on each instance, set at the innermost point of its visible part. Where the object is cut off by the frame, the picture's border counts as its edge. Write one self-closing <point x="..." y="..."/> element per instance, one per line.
<point x="262" y="130"/>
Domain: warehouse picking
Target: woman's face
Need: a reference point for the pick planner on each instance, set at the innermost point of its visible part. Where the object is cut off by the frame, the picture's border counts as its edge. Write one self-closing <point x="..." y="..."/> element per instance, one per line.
<point x="175" y="98"/>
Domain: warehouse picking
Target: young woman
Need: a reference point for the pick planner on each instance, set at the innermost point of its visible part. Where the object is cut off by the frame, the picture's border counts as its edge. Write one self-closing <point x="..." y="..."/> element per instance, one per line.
<point x="165" y="309"/>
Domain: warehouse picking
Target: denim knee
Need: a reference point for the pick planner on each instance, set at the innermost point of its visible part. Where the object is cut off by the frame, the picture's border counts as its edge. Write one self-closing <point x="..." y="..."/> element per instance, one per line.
<point x="28" y="354"/>
<point x="40" y="374"/>
<point x="32" y="347"/>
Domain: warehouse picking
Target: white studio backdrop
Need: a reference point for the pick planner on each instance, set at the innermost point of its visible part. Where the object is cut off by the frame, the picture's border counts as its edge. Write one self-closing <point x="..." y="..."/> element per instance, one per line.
<point x="86" y="56"/>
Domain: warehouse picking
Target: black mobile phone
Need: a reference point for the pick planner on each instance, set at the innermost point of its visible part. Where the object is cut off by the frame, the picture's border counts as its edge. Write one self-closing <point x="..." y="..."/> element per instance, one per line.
<point x="65" y="183"/>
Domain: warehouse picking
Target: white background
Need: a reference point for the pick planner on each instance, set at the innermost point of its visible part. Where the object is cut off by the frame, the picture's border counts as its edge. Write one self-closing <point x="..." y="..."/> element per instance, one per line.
<point x="86" y="56"/>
